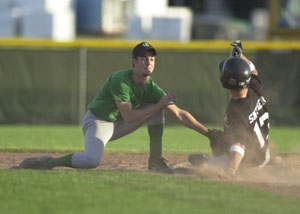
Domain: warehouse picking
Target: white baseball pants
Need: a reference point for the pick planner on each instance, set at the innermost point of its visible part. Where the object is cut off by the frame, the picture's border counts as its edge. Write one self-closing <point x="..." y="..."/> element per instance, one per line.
<point x="98" y="132"/>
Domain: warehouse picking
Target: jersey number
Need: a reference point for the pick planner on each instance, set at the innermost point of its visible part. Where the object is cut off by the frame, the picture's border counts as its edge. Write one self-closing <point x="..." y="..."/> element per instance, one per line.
<point x="257" y="127"/>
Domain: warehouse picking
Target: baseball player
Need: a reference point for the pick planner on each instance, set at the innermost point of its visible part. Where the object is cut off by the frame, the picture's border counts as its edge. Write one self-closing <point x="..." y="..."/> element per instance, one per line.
<point x="126" y="101"/>
<point x="244" y="140"/>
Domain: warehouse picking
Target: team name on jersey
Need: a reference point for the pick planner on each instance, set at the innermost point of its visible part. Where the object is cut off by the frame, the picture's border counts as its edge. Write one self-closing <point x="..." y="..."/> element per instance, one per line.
<point x="259" y="105"/>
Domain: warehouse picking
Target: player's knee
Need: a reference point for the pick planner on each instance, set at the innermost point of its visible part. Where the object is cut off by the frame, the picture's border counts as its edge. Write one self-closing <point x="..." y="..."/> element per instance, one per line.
<point x="92" y="162"/>
<point x="240" y="145"/>
<point x="157" y="118"/>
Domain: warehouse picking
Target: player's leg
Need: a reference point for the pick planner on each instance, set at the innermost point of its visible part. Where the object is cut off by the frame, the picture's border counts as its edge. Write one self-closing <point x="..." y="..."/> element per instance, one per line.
<point x="97" y="133"/>
<point x="220" y="161"/>
<point x="155" y="133"/>
<point x="156" y="160"/>
<point x="220" y="154"/>
<point x="155" y="130"/>
<point x="198" y="160"/>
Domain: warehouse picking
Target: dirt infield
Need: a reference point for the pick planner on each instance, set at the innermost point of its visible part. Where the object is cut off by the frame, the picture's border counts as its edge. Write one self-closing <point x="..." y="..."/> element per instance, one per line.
<point x="281" y="176"/>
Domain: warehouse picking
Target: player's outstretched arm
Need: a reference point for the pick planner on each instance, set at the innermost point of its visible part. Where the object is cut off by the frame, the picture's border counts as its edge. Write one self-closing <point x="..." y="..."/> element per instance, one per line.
<point x="237" y="51"/>
<point x="186" y="119"/>
<point x="252" y="67"/>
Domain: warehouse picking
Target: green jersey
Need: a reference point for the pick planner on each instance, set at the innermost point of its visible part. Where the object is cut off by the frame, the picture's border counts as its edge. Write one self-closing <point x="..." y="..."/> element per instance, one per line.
<point x="121" y="86"/>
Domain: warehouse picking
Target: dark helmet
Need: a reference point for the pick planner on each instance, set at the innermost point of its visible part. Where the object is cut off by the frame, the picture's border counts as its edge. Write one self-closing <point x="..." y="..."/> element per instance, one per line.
<point x="235" y="73"/>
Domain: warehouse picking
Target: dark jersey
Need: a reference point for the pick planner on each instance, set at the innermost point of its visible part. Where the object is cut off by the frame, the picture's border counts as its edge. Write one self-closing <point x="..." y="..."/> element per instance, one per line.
<point x="247" y="122"/>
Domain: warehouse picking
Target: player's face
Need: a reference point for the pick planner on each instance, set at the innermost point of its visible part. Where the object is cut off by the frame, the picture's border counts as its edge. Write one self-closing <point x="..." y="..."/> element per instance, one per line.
<point x="145" y="65"/>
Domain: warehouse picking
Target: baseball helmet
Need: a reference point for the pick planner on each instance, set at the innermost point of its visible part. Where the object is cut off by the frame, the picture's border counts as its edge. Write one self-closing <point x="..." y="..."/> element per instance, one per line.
<point x="235" y="73"/>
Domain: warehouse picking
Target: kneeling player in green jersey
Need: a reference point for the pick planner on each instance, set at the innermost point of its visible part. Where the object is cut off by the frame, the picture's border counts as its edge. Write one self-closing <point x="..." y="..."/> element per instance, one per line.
<point x="127" y="100"/>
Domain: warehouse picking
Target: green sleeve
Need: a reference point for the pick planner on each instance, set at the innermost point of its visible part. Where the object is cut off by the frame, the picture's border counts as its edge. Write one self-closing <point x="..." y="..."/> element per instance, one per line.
<point x="120" y="90"/>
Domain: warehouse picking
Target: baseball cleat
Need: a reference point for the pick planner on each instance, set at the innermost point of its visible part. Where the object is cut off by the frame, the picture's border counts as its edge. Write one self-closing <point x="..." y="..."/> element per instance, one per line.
<point x="198" y="159"/>
<point x="35" y="163"/>
<point x="160" y="165"/>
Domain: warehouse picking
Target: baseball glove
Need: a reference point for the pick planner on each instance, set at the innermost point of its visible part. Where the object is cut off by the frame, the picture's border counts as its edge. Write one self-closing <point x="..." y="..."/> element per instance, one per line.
<point x="218" y="142"/>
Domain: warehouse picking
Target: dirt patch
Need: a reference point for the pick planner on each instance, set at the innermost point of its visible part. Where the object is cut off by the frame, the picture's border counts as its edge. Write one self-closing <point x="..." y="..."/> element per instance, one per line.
<point x="281" y="176"/>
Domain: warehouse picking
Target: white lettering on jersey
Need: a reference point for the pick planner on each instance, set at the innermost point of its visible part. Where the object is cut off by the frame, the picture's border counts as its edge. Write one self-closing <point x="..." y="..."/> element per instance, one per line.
<point x="259" y="105"/>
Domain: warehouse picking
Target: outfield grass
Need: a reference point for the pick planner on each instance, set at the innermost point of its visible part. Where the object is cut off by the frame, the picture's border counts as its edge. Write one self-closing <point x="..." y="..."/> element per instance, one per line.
<point x="86" y="191"/>
<point x="177" y="139"/>
<point x="286" y="139"/>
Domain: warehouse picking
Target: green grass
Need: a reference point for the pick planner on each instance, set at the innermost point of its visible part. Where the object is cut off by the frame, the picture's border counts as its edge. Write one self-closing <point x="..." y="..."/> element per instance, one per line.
<point x="94" y="191"/>
<point x="41" y="138"/>
<point x="100" y="191"/>
<point x="177" y="139"/>
<point x="286" y="139"/>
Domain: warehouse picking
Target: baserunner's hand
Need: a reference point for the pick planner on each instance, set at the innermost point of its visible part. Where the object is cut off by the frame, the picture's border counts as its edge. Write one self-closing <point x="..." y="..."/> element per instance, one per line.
<point x="237" y="48"/>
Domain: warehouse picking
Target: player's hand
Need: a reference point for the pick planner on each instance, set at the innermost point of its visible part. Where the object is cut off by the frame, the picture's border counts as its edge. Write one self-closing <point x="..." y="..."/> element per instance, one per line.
<point x="168" y="99"/>
<point x="237" y="48"/>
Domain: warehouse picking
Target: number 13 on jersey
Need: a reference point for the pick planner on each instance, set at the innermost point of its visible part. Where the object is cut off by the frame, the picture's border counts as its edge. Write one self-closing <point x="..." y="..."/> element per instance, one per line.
<point x="259" y="124"/>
